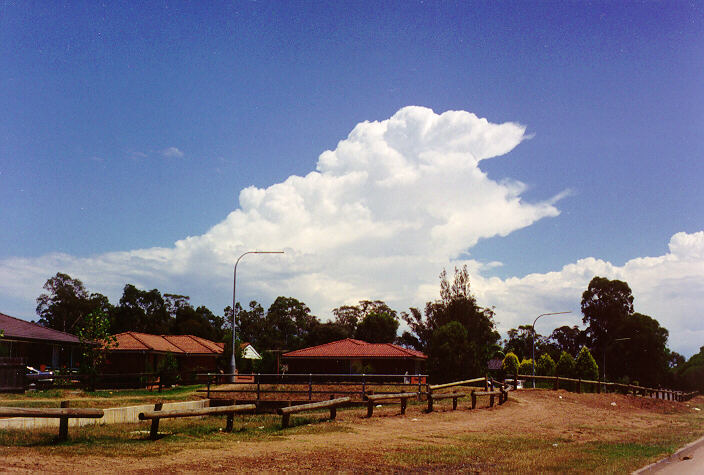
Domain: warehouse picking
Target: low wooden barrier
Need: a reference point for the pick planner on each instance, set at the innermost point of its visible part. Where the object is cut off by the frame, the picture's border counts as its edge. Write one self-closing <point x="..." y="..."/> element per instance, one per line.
<point x="438" y="396"/>
<point x="466" y="382"/>
<point x="157" y="414"/>
<point x="332" y="404"/>
<point x="656" y="393"/>
<point x="374" y="398"/>
<point x="64" y="413"/>
<point x="502" y="393"/>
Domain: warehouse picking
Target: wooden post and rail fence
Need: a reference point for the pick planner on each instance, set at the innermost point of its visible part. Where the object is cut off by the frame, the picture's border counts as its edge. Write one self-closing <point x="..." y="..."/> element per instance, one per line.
<point x="64" y="413"/>
<point x="157" y="414"/>
<point x="486" y="387"/>
<point x="655" y="393"/>
<point x="332" y="405"/>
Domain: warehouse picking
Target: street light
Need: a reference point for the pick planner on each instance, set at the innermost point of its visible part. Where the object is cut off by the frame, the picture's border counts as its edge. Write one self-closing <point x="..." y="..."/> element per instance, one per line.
<point x="234" y="308"/>
<point x="606" y="348"/>
<point x="533" y="340"/>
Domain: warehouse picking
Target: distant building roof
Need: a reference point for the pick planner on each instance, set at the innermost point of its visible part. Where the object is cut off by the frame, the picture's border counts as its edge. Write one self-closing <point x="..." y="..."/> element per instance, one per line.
<point x="18" y="329"/>
<point x="182" y="344"/>
<point x="350" y="348"/>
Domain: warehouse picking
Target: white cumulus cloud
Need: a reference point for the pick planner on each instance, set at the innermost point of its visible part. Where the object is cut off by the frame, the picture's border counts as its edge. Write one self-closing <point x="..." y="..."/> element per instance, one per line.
<point x="172" y="152"/>
<point x="379" y="217"/>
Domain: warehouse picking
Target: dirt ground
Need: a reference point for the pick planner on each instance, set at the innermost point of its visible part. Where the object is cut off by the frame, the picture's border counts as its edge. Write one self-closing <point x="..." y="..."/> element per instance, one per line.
<point x="361" y="444"/>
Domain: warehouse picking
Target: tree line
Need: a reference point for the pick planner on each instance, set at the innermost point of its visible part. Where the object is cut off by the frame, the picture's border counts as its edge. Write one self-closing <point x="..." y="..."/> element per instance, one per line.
<point x="458" y="335"/>
<point x="617" y="344"/>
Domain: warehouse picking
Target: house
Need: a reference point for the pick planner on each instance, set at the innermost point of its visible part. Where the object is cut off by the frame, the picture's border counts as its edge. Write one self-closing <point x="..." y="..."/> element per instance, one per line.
<point x="145" y="353"/>
<point x="39" y="346"/>
<point x="351" y="356"/>
<point x="249" y="353"/>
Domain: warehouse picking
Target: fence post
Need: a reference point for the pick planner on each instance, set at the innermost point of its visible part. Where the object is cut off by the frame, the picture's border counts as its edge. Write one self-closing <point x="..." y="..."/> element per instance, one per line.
<point x="557" y="383"/>
<point x="486" y="383"/>
<point x="598" y="385"/>
<point x="259" y="386"/>
<point x="364" y="387"/>
<point x="310" y="386"/>
<point x="515" y="380"/>
<point x="419" y="385"/>
<point x="430" y="400"/>
<point x="333" y="409"/>
<point x="209" y="378"/>
<point x="579" y="385"/>
<point x="474" y="399"/>
<point x="63" y="423"/>
<point x="154" y="431"/>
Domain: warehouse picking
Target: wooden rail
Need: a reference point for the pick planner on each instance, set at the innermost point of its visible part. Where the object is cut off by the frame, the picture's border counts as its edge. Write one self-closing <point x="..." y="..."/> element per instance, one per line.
<point x="157" y="414"/>
<point x="438" y="396"/>
<point x="656" y="393"/>
<point x="466" y="382"/>
<point x="64" y="413"/>
<point x="374" y="398"/>
<point x="332" y="405"/>
<point x="502" y="393"/>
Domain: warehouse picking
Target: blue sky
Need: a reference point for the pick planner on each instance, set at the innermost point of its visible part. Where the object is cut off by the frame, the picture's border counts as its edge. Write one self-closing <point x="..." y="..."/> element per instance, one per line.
<point x="129" y="126"/>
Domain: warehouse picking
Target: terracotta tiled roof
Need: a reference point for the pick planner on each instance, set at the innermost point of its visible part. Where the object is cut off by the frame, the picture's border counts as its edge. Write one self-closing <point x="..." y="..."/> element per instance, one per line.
<point x="24" y="330"/>
<point x="184" y="344"/>
<point x="350" y="348"/>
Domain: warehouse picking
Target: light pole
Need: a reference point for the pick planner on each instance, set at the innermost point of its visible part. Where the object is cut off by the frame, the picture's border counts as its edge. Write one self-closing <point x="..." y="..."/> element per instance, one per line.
<point x="533" y="338"/>
<point x="609" y="346"/>
<point x="233" y="364"/>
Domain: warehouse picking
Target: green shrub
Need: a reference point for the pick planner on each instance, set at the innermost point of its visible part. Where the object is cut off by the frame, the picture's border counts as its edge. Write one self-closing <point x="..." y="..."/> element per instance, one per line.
<point x="585" y="366"/>
<point x="565" y="365"/>
<point x="526" y="367"/>
<point x="545" y="366"/>
<point x="510" y="364"/>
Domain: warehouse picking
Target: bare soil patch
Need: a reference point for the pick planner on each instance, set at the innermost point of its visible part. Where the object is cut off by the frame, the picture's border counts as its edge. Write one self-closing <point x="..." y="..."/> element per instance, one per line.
<point x="533" y="430"/>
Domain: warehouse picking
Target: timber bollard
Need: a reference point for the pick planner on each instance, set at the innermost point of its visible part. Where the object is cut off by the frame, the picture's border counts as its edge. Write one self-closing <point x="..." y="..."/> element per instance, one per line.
<point x="154" y="430"/>
<point x="474" y="399"/>
<point x="557" y="383"/>
<point x="579" y="386"/>
<point x="63" y="423"/>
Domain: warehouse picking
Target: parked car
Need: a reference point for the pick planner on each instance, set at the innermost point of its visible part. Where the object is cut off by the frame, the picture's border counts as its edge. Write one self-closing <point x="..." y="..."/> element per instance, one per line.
<point x="38" y="378"/>
<point x="512" y="382"/>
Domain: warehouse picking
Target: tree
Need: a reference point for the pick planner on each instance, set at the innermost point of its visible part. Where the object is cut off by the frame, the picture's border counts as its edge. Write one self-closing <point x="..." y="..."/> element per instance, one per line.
<point x="350" y="316"/>
<point x="96" y="340"/>
<point x="510" y="364"/>
<point x="526" y="366"/>
<point x="250" y="323"/>
<point x="377" y="327"/>
<point x="325" y="333"/>
<point x="631" y="345"/>
<point x="545" y="366"/>
<point x="569" y="339"/>
<point x="605" y="305"/>
<point x="520" y="341"/>
<point x="690" y="375"/>
<point x="644" y="357"/>
<point x="67" y="303"/>
<point x="448" y="353"/>
<point x="456" y="304"/>
<point x="565" y="365"/>
<point x="585" y="366"/>
<point x="287" y="323"/>
<point x="142" y="311"/>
